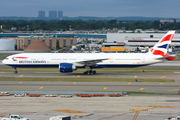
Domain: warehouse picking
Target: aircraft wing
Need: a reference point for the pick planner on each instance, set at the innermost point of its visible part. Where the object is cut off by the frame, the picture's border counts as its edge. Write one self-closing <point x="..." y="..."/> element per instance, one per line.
<point x="92" y="62"/>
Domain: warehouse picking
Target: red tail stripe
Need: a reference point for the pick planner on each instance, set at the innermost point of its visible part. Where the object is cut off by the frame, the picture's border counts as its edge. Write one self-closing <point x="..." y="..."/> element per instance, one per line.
<point x="157" y="52"/>
<point x="167" y="38"/>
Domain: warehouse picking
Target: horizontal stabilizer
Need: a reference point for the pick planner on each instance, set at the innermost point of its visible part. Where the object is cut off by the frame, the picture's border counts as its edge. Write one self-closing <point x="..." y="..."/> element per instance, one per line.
<point x="167" y="57"/>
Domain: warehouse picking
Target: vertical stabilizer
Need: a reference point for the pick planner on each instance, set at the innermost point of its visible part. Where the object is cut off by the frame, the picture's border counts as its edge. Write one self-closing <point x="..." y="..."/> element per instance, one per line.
<point x="162" y="46"/>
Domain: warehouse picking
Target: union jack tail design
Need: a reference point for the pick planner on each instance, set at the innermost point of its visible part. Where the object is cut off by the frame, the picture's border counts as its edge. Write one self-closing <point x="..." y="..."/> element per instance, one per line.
<point x="162" y="46"/>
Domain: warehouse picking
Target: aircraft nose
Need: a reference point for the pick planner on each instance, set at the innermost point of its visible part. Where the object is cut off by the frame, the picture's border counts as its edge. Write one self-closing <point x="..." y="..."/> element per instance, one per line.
<point x="3" y="62"/>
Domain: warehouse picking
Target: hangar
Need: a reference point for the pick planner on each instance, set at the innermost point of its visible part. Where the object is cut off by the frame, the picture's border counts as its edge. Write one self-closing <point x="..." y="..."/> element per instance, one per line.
<point x="140" y="39"/>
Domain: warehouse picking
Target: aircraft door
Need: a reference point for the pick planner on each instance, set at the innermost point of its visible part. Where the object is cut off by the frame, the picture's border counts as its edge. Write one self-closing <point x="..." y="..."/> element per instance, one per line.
<point x="79" y="58"/>
<point x="142" y="59"/>
<point x="111" y="59"/>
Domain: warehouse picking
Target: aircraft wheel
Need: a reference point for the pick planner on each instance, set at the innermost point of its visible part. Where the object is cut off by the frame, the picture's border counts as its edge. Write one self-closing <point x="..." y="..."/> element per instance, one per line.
<point x="15" y="72"/>
<point x="85" y="73"/>
<point x="94" y="72"/>
<point x="90" y="72"/>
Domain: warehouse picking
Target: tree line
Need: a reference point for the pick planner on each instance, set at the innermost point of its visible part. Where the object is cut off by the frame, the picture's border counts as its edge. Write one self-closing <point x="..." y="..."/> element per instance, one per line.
<point x="64" y="25"/>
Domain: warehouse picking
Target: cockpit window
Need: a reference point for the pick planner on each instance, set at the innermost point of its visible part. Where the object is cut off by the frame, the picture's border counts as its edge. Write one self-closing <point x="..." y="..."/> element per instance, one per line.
<point x="6" y="58"/>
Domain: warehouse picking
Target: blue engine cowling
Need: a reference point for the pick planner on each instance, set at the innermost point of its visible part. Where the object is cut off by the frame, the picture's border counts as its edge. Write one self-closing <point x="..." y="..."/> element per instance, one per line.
<point x="66" y="67"/>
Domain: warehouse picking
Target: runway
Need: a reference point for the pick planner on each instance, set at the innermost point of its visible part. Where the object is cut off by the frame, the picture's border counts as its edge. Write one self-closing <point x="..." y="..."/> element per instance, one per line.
<point x="94" y="86"/>
<point x="155" y="87"/>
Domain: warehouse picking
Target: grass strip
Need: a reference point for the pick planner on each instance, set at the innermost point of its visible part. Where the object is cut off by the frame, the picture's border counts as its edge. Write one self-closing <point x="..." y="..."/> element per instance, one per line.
<point x="87" y="79"/>
<point x="148" y="93"/>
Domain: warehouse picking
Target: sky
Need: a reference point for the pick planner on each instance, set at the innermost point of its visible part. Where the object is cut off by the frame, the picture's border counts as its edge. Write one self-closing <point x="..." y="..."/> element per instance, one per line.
<point x="96" y="8"/>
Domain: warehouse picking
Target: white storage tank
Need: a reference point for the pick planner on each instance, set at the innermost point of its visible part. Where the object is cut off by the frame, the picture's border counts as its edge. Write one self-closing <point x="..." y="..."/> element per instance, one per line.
<point x="6" y="45"/>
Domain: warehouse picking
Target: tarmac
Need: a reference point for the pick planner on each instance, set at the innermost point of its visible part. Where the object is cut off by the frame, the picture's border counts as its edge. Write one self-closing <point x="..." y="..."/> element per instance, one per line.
<point x="93" y="108"/>
<point x="72" y="87"/>
<point x="128" y="107"/>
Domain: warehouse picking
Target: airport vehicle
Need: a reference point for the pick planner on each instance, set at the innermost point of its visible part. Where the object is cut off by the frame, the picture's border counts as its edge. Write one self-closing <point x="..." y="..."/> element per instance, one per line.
<point x="173" y="118"/>
<point x="20" y="95"/>
<point x="14" y="117"/>
<point x="68" y="62"/>
<point x="60" y="117"/>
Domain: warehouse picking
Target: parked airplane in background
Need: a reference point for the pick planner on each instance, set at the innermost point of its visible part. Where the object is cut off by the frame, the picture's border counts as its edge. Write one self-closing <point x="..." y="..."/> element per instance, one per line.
<point x="67" y="62"/>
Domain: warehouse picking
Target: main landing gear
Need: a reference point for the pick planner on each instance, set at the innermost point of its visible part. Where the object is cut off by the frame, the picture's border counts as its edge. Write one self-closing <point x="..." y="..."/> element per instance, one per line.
<point x="89" y="71"/>
<point x="15" y="72"/>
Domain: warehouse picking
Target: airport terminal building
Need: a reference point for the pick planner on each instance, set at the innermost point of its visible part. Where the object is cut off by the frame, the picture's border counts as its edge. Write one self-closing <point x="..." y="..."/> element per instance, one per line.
<point x="53" y="41"/>
<point x="139" y="40"/>
<point x="111" y="40"/>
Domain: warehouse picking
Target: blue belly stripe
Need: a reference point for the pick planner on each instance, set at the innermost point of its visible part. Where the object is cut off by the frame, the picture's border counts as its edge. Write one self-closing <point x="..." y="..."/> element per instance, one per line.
<point x="57" y="65"/>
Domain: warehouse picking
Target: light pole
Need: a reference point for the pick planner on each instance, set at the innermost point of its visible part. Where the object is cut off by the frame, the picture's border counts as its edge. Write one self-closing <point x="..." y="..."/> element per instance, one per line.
<point x="27" y="28"/>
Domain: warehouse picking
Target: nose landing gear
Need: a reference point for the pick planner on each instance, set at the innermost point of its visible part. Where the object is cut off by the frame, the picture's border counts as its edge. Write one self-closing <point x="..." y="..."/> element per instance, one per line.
<point x="15" y="72"/>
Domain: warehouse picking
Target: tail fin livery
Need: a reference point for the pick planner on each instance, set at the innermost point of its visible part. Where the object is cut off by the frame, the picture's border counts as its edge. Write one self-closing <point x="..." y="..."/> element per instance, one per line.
<point x="162" y="46"/>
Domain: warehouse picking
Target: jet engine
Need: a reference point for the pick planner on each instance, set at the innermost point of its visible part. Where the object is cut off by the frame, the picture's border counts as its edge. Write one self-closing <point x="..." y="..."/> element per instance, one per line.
<point x="66" y="67"/>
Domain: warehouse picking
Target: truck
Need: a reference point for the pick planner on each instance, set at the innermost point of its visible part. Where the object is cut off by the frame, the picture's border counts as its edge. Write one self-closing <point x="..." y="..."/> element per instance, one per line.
<point x="173" y="118"/>
<point x="14" y="117"/>
<point x="60" y="117"/>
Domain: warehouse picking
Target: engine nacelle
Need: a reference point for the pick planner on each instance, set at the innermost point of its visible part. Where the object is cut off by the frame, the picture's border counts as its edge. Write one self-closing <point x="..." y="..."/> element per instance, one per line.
<point x="66" y="67"/>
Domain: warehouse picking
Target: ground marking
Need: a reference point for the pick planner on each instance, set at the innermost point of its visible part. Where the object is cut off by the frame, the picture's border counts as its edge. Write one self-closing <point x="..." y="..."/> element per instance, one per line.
<point x="20" y="82"/>
<point x="129" y="83"/>
<point x="74" y="117"/>
<point x="74" y="82"/>
<point x="136" y="115"/>
<point x="174" y="90"/>
<point x="78" y="76"/>
<point x="138" y="109"/>
<point x="137" y="112"/>
<point x="135" y="76"/>
<point x="161" y="83"/>
<point x="141" y="89"/>
<point x="20" y="75"/>
<point x="115" y="115"/>
<point x="105" y="88"/>
<point x="41" y="87"/>
<point x="163" y="76"/>
<point x="70" y="111"/>
<point x="161" y="106"/>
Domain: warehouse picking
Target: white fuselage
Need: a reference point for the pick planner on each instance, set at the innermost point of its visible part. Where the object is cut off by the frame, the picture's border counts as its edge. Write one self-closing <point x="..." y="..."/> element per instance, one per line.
<point x="54" y="59"/>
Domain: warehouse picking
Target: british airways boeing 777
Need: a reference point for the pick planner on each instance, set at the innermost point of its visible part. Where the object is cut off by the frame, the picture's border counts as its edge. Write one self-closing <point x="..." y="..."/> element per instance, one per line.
<point x="68" y="62"/>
